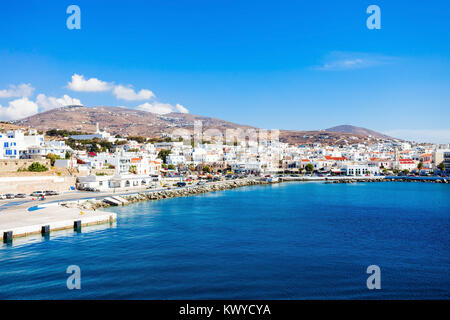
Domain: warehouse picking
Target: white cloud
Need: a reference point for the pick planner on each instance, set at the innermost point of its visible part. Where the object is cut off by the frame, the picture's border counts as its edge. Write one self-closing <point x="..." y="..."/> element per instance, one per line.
<point x="47" y="103"/>
<point x="22" y="90"/>
<point x="337" y="61"/>
<point x="128" y="93"/>
<point x="18" y="109"/>
<point x="422" y="135"/>
<point x="78" y="83"/>
<point x="162" y="108"/>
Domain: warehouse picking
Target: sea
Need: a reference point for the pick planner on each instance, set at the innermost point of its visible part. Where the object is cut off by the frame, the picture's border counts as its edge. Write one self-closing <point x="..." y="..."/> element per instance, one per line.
<point x="296" y="240"/>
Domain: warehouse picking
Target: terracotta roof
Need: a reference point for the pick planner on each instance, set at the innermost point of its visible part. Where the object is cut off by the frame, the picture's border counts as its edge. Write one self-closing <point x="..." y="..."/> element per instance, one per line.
<point x="335" y="158"/>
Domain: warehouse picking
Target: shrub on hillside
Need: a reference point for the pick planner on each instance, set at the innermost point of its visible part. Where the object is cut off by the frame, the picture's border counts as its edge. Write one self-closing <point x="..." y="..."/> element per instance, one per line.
<point x="37" y="167"/>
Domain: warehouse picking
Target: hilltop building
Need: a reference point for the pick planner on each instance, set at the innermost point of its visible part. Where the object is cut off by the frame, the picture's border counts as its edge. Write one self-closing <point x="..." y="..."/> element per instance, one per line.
<point x="102" y="135"/>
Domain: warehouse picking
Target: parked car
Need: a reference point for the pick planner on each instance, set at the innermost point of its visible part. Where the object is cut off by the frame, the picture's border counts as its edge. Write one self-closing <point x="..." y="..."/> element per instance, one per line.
<point x="200" y="183"/>
<point x="2" y="196"/>
<point x="21" y="195"/>
<point x="37" y="194"/>
<point x="10" y="196"/>
<point x="50" y="193"/>
<point x="181" y="184"/>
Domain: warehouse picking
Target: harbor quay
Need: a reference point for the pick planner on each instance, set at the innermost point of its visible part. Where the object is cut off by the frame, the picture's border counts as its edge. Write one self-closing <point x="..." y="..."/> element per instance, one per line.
<point x="47" y="218"/>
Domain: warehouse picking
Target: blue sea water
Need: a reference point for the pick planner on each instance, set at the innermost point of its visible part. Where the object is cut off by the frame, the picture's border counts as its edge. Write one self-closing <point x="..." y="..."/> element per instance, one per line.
<point x="283" y="241"/>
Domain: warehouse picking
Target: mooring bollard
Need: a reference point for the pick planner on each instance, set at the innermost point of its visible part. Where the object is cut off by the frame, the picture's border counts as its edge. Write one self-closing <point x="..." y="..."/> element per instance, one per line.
<point x="7" y="236"/>
<point x="45" y="230"/>
<point x="77" y="225"/>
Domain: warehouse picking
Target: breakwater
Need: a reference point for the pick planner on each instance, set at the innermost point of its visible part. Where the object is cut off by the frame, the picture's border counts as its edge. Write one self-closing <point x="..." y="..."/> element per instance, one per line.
<point x="92" y="204"/>
<point x="348" y="179"/>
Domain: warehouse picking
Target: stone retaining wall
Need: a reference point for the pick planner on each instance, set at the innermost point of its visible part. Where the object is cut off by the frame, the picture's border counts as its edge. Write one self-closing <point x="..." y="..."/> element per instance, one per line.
<point x="34" y="183"/>
<point x="12" y="165"/>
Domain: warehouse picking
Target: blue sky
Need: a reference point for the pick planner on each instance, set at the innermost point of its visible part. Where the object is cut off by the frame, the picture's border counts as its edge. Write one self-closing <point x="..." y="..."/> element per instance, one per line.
<point x="273" y="64"/>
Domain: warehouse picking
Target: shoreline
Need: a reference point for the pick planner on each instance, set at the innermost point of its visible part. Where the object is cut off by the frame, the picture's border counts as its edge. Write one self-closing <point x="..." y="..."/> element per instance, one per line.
<point x="27" y="219"/>
<point x="93" y="204"/>
<point x="191" y="190"/>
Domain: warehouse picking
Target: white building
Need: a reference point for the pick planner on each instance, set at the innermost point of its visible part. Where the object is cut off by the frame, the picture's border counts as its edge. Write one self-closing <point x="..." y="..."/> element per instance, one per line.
<point x="447" y="161"/>
<point x="246" y="167"/>
<point x="56" y="147"/>
<point x="15" y="144"/>
<point x="107" y="183"/>
<point x="102" y="135"/>
<point x="125" y="162"/>
<point x="121" y="179"/>
<point x="406" y="164"/>
<point x="175" y="159"/>
<point x="360" y="170"/>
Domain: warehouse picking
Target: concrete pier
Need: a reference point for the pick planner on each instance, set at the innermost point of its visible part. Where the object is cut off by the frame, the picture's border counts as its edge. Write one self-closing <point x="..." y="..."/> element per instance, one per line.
<point x="48" y="218"/>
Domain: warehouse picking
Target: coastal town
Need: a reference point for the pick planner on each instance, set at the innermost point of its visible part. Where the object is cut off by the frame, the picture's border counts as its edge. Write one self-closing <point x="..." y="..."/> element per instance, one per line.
<point x="65" y="161"/>
<point x="57" y="179"/>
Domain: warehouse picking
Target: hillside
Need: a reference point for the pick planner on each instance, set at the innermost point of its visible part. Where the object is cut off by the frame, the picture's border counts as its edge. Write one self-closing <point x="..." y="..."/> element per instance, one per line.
<point x="130" y="122"/>
<point x="5" y="126"/>
<point x="117" y="120"/>
<point x="357" y="130"/>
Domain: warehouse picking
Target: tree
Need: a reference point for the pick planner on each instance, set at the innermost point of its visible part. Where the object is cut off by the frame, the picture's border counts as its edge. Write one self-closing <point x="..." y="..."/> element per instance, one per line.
<point x="207" y="169"/>
<point x="171" y="167"/>
<point x="441" y="166"/>
<point x="309" y="167"/>
<point x="138" y="139"/>
<point x="420" y="166"/>
<point x="52" y="158"/>
<point x="37" y="167"/>
<point x="67" y="156"/>
<point x="163" y="155"/>
<point x="406" y="171"/>
<point x="133" y="169"/>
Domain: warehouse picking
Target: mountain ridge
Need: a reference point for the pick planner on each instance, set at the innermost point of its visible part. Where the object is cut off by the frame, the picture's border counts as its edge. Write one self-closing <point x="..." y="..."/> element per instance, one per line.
<point x="132" y="122"/>
<point x="347" y="128"/>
